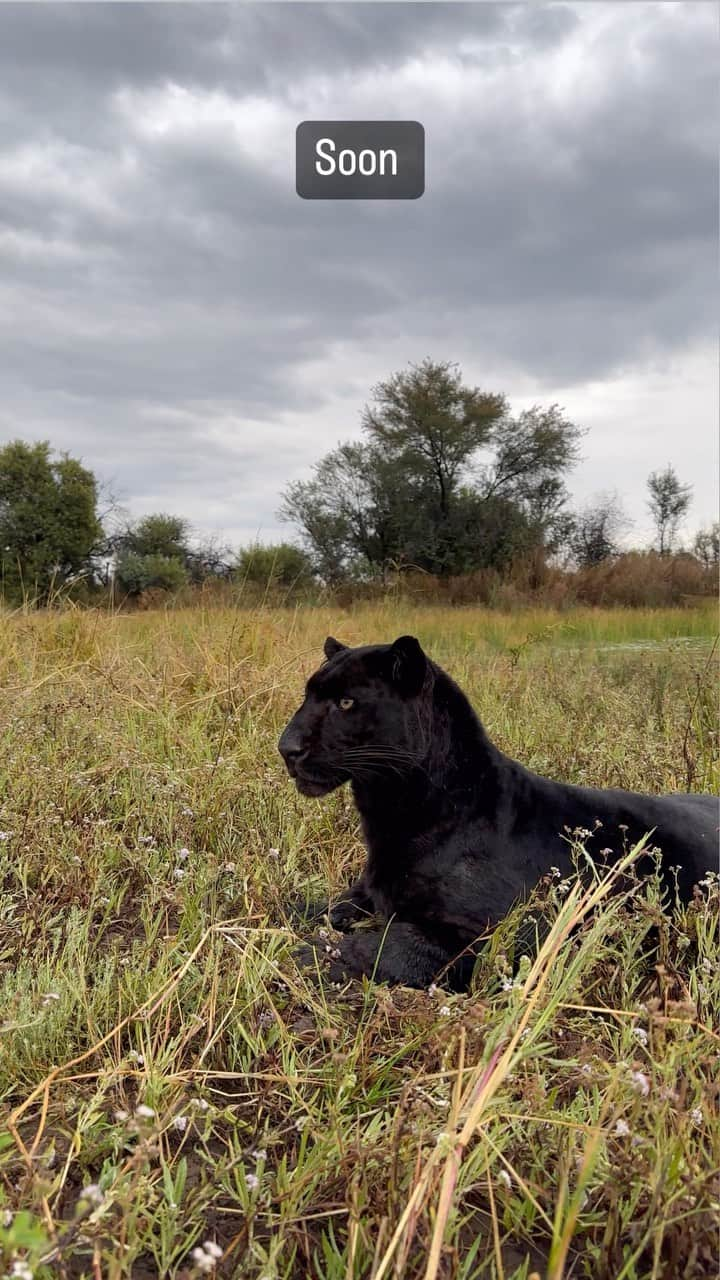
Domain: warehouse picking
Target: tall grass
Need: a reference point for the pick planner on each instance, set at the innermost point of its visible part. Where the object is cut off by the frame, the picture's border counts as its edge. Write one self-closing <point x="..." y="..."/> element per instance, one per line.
<point x="170" y="1077"/>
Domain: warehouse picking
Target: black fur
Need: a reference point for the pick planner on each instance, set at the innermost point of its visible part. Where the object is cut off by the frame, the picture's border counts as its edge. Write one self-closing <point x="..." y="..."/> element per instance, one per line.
<point x="455" y="831"/>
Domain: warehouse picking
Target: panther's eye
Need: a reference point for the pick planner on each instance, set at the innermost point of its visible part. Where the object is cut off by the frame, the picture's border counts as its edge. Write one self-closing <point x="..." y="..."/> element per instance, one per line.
<point x="346" y="703"/>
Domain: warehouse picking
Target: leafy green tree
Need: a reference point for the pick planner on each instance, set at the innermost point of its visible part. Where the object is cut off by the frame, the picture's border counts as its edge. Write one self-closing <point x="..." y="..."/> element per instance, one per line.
<point x="49" y="525"/>
<point x="136" y="573"/>
<point x="415" y="491"/>
<point x="282" y="564"/>
<point x="346" y="512"/>
<point x="430" y="423"/>
<point x="668" y="502"/>
<point x="155" y="552"/>
<point x="532" y="454"/>
<point x="158" y="535"/>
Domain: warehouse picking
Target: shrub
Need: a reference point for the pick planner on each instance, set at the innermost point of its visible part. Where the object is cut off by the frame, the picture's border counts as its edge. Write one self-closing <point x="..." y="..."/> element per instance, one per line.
<point x="136" y="573"/>
<point x="281" y="565"/>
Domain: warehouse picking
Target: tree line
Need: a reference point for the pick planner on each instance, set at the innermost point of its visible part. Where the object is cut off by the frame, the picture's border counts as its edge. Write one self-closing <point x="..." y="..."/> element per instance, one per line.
<point x="445" y="481"/>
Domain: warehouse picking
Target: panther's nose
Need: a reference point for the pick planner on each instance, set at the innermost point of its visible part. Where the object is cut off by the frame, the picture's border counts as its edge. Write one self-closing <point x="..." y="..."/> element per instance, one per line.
<point x="291" y="748"/>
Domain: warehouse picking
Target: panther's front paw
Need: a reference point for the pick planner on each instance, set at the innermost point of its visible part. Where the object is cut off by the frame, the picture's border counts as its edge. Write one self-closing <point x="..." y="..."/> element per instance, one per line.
<point x="319" y="958"/>
<point x="345" y="913"/>
<point x="354" y="956"/>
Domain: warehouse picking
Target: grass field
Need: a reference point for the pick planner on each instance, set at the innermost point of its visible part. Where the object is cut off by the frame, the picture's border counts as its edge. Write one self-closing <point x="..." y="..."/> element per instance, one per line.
<point x="168" y="1076"/>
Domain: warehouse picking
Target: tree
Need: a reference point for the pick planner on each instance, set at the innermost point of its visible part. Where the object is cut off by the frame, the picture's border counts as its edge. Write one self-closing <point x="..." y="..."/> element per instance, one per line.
<point x="135" y="573"/>
<point x="352" y="512"/>
<point x="668" y="502"/>
<point x="48" y="520"/>
<point x="433" y="424"/>
<point x="415" y="492"/>
<point x="153" y="553"/>
<point x="532" y="454"/>
<point x="596" y="530"/>
<point x="706" y="546"/>
<point x="158" y="535"/>
<point x="282" y="564"/>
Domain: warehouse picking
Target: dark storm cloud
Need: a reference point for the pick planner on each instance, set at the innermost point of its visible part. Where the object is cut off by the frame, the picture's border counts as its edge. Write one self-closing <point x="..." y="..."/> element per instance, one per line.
<point x="158" y="273"/>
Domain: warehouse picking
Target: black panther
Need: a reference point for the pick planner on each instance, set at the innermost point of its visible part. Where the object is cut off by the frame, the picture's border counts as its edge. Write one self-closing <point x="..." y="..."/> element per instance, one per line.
<point x="455" y="830"/>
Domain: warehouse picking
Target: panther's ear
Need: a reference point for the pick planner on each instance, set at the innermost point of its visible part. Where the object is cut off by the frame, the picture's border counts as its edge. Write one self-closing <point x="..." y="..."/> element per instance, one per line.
<point x="408" y="665"/>
<point x="332" y="646"/>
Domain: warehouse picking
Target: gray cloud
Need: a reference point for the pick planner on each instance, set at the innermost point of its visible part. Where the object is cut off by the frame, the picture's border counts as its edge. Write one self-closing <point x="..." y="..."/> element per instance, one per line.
<point x="173" y="311"/>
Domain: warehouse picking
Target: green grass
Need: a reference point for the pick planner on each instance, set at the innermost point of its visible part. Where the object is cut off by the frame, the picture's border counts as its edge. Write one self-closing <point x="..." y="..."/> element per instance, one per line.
<point x="158" y="1042"/>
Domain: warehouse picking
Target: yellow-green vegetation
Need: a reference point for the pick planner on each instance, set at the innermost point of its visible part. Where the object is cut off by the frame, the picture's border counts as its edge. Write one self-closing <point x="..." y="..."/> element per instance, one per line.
<point x="177" y="1098"/>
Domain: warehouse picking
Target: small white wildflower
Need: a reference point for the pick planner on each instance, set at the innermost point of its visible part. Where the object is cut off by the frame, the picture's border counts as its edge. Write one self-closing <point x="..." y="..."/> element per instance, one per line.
<point x="564" y="888"/>
<point x="266" y="1018"/>
<point x="707" y="964"/>
<point x="683" y="941"/>
<point x="252" y="1181"/>
<point x="555" y="873"/>
<point x="213" y="1248"/>
<point x="200" y="1104"/>
<point x="179" y="873"/>
<point x="144" y="1112"/>
<point x="5" y="835"/>
<point x="444" y="1010"/>
<point x="640" y="1083"/>
<point x="120" y="1116"/>
<point x="49" y="996"/>
<point x="134" y="1056"/>
<point x="183" y="854"/>
<point x="504" y="1177"/>
<point x="274" y="853"/>
<point x="146" y="839"/>
<point x="76" y="859"/>
<point x="301" y="1122"/>
<point x="622" y="1129"/>
<point x="203" y="1261"/>
<point x="640" y="1034"/>
<point x="180" y="1123"/>
<point x="21" y="1270"/>
<point x="187" y="812"/>
<point x="586" y="1069"/>
<point x="260" y="1154"/>
<point x="506" y="985"/>
<point x="432" y="989"/>
<point x="229" y="867"/>
<point x="696" y="1115"/>
<point x="7" y="1218"/>
<point x="92" y="1193"/>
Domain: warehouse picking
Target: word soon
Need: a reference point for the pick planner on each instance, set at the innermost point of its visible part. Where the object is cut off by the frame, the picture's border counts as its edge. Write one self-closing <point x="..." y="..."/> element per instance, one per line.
<point x="360" y="159"/>
<point x="366" y="162"/>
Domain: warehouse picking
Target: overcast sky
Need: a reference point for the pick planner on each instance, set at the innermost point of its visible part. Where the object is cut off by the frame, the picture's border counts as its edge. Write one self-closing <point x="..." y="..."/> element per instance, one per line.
<point x="172" y="312"/>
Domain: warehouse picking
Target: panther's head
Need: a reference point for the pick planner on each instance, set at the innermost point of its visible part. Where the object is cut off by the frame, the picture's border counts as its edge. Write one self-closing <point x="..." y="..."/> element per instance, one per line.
<point x="361" y="716"/>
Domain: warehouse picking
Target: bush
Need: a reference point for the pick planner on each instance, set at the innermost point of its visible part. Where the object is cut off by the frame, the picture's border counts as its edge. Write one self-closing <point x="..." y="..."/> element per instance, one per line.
<point x="281" y="565"/>
<point x="136" y="573"/>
